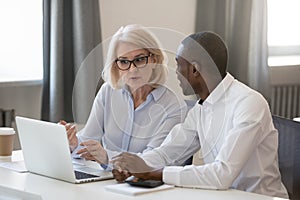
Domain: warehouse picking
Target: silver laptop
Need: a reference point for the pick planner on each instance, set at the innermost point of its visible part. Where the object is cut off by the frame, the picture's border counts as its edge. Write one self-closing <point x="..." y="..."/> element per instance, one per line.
<point x="46" y="152"/>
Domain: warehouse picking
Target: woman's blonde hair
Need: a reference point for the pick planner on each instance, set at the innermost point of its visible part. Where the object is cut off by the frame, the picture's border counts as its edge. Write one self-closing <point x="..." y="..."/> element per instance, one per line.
<point x="142" y="38"/>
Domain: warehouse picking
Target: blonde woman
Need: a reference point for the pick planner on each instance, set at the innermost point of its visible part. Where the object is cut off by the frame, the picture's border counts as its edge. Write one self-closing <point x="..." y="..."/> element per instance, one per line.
<point x="133" y="110"/>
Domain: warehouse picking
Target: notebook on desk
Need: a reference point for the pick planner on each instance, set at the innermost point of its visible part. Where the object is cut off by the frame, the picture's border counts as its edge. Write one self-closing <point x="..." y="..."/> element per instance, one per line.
<point x="46" y="152"/>
<point x="127" y="189"/>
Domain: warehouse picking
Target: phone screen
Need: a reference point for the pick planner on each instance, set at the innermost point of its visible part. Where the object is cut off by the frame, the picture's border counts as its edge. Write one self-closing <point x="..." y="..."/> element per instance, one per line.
<point x="143" y="183"/>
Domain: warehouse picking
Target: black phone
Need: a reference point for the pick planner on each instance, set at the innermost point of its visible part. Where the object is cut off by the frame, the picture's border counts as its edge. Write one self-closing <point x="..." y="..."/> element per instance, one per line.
<point x="143" y="183"/>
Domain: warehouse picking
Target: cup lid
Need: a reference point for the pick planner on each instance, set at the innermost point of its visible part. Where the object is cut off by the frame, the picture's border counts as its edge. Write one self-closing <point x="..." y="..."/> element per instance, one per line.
<point x="6" y="131"/>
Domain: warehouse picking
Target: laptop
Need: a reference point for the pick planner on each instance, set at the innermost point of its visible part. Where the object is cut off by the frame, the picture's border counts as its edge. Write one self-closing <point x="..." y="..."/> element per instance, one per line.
<point x="46" y="152"/>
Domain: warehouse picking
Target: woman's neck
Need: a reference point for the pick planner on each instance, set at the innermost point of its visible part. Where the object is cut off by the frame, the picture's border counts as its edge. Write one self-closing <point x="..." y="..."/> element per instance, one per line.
<point x="140" y="94"/>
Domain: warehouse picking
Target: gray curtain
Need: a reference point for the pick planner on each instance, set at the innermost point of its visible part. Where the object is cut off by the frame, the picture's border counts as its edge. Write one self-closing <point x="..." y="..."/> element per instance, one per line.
<point x="71" y="31"/>
<point x="243" y="26"/>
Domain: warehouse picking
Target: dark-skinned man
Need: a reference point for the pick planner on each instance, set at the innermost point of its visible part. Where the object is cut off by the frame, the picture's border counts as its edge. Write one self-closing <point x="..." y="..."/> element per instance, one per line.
<point x="231" y="124"/>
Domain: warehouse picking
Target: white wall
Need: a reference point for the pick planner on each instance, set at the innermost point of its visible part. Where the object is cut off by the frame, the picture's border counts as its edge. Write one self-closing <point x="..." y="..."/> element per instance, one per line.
<point x="178" y="15"/>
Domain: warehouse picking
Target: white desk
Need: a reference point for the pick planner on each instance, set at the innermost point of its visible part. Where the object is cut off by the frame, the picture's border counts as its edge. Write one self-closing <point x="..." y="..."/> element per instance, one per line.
<point x="51" y="189"/>
<point x="297" y="119"/>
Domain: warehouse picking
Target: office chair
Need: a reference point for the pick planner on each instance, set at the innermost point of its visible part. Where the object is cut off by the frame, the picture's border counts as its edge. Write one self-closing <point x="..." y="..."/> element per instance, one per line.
<point x="289" y="154"/>
<point x="99" y="84"/>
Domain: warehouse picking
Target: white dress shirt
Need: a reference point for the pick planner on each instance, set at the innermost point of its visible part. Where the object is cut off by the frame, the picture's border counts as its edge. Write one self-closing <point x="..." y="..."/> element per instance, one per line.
<point x="121" y="128"/>
<point x="234" y="129"/>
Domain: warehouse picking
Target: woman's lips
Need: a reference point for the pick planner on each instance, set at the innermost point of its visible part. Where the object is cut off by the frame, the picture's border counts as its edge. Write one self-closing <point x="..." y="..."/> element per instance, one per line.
<point x="134" y="78"/>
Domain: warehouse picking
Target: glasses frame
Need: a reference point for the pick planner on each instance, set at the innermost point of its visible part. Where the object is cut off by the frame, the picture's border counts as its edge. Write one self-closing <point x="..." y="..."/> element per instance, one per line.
<point x="132" y="62"/>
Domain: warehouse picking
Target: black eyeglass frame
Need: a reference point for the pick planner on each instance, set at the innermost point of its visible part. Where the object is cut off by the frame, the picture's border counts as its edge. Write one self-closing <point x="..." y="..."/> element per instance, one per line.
<point x="132" y="62"/>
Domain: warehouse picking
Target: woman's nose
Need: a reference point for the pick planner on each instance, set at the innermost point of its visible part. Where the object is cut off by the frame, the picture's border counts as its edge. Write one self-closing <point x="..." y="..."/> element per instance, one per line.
<point x="132" y="67"/>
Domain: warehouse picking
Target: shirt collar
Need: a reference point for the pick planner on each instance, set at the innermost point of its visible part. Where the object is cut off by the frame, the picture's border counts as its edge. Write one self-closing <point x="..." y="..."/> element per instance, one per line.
<point x="220" y="90"/>
<point x="125" y="89"/>
<point x="200" y="101"/>
<point x="156" y="93"/>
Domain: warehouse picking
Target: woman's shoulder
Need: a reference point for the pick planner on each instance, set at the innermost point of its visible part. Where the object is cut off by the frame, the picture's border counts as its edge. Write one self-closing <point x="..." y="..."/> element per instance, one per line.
<point x="169" y="97"/>
<point x="105" y="87"/>
<point x="169" y="93"/>
<point x="104" y="91"/>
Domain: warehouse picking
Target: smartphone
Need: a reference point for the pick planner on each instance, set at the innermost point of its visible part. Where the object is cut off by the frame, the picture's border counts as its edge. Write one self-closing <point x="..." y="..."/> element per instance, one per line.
<point x="143" y="183"/>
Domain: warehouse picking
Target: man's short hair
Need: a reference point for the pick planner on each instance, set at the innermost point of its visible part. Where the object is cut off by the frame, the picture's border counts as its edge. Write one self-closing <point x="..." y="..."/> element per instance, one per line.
<point x="214" y="46"/>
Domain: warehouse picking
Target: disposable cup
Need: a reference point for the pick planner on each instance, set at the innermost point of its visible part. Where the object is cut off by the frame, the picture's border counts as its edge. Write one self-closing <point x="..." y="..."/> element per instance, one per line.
<point x="6" y="141"/>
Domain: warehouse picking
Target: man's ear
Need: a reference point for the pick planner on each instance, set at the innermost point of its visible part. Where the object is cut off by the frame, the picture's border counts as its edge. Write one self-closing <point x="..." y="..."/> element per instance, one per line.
<point x="195" y="68"/>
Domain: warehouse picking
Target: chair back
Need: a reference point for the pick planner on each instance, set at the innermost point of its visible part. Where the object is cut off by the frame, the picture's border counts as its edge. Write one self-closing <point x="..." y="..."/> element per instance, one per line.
<point x="289" y="154"/>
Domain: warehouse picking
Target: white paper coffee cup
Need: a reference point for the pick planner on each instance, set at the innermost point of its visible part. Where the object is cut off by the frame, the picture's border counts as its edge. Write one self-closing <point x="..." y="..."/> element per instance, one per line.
<point x="6" y="141"/>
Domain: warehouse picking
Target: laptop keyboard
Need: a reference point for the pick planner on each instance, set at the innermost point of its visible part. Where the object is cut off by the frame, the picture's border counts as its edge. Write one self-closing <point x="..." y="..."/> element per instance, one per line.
<point x="82" y="175"/>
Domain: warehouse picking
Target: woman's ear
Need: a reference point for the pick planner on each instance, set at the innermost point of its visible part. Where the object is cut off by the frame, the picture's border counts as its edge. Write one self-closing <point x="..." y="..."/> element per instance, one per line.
<point x="154" y="58"/>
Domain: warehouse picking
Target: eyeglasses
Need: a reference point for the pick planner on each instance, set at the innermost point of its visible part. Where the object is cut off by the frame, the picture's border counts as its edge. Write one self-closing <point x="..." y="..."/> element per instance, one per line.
<point x="139" y="62"/>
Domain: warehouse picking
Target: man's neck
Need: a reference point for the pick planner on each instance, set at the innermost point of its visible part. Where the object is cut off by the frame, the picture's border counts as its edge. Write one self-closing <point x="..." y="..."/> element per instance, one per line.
<point x="203" y="96"/>
<point x="203" y="92"/>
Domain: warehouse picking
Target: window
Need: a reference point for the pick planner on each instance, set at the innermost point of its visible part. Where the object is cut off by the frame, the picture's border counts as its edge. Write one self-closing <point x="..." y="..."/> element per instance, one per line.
<point x="284" y="32"/>
<point x="21" y="40"/>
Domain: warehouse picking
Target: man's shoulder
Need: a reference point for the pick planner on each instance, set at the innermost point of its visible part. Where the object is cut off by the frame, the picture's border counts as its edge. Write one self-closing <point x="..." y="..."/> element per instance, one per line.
<point x="247" y="97"/>
<point x="244" y="90"/>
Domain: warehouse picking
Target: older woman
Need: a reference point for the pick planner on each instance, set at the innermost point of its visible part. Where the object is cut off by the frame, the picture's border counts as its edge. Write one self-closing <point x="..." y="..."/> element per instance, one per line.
<point x="133" y="111"/>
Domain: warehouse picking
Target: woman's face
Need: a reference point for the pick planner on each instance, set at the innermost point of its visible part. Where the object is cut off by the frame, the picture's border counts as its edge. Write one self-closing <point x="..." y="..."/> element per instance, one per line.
<point x="139" y="73"/>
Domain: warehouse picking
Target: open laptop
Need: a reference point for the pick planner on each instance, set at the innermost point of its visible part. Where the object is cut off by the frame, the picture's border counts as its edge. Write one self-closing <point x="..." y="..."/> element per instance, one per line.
<point x="46" y="152"/>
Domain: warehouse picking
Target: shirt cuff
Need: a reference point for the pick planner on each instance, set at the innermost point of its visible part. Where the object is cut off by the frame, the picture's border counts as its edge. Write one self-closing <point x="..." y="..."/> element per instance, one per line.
<point x="171" y="175"/>
<point x="108" y="167"/>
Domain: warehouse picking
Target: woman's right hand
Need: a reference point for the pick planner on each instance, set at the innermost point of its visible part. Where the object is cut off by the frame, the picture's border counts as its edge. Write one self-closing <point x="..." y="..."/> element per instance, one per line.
<point x="71" y="132"/>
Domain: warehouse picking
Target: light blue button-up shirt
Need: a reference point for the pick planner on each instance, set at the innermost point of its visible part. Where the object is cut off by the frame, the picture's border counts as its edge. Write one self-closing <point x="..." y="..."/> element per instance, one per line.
<point x="120" y="128"/>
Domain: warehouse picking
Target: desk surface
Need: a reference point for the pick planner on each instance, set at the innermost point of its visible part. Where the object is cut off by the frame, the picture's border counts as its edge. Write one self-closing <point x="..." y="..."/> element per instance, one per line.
<point x="297" y="119"/>
<point x="51" y="189"/>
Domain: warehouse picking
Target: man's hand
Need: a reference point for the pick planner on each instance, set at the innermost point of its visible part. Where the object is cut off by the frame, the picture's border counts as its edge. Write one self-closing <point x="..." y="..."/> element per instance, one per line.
<point x="120" y="176"/>
<point x="128" y="164"/>
<point x="71" y="133"/>
<point x="93" y="151"/>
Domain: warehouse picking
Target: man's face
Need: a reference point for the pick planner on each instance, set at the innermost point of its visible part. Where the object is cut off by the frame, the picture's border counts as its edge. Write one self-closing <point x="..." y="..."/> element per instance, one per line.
<point x="183" y="72"/>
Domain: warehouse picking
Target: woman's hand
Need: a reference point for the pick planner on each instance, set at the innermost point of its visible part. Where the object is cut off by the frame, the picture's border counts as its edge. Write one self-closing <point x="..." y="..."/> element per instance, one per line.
<point x="93" y="151"/>
<point x="71" y="133"/>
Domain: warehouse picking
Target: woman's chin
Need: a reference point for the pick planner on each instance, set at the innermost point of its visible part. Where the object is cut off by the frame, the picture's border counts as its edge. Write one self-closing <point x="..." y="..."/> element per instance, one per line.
<point x="135" y="86"/>
<point x="134" y="82"/>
